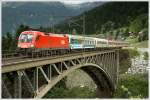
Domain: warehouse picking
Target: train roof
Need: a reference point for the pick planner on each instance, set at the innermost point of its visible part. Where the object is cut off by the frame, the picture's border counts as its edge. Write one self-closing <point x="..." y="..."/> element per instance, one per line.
<point x="99" y="39"/>
<point x="86" y="37"/>
<point x="43" y="33"/>
<point x="74" y="36"/>
<point x="32" y="32"/>
<point x="57" y="35"/>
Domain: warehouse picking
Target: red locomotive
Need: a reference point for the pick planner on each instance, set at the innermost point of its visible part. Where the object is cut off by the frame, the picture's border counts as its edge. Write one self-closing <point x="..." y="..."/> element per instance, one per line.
<point x="36" y="39"/>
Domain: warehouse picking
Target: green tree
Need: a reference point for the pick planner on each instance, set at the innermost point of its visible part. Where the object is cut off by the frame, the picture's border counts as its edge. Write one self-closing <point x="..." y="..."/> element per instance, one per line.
<point x="126" y="33"/>
<point x="8" y="42"/>
<point x="108" y="26"/>
<point x="4" y="43"/>
<point x="145" y="34"/>
<point x="139" y="23"/>
<point x="145" y="55"/>
<point x="20" y="29"/>
<point x="116" y="34"/>
<point x="102" y="29"/>
<point x="102" y="16"/>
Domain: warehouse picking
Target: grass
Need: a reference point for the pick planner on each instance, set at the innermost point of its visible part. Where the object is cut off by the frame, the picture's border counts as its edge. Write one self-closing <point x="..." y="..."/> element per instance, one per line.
<point x="143" y="44"/>
<point x="132" y="39"/>
<point x="134" y="42"/>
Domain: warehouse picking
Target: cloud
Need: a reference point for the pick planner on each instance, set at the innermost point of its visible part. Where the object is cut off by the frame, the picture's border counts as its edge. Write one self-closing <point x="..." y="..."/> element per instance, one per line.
<point x="77" y="1"/>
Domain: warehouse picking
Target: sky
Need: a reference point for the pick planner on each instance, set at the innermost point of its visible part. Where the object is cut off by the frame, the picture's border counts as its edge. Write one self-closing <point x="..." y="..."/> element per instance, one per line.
<point x="73" y="1"/>
<point x="63" y="1"/>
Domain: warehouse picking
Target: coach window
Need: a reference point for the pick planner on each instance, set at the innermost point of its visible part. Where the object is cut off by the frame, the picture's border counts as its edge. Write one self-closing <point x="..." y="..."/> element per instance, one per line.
<point x="80" y="41"/>
<point x="86" y="42"/>
<point x="76" y="41"/>
<point x="72" y="41"/>
<point x="83" y="41"/>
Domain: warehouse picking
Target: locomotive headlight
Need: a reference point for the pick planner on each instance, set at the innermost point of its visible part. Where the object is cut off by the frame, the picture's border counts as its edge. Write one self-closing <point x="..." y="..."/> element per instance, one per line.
<point x="32" y="45"/>
<point x="18" y="45"/>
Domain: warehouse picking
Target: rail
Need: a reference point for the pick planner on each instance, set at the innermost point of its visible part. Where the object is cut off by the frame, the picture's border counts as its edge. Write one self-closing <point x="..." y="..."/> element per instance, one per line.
<point x="45" y="53"/>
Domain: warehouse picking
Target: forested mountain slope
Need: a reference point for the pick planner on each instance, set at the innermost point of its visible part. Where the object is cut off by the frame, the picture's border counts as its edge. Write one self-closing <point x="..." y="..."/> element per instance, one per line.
<point x="113" y="16"/>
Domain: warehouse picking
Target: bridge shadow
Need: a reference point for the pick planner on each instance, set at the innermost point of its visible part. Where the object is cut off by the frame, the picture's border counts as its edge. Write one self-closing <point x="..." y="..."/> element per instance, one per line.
<point x="105" y="87"/>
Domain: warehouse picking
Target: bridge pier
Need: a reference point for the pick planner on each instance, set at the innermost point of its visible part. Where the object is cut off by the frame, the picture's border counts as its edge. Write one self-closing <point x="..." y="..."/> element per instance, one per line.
<point x="18" y="85"/>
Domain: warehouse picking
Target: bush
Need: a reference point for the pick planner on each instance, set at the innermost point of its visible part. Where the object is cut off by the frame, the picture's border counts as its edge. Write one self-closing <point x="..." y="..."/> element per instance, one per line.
<point x="133" y="39"/>
<point x="145" y="55"/>
<point x="80" y="92"/>
<point x="145" y="36"/>
<point x="56" y="92"/>
<point x="124" y="59"/>
<point x="76" y="92"/>
<point x="132" y="86"/>
<point x="133" y="53"/>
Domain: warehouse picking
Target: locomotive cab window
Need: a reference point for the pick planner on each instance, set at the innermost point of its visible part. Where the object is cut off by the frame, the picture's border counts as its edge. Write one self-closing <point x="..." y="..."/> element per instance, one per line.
<point x="25" y="38"/>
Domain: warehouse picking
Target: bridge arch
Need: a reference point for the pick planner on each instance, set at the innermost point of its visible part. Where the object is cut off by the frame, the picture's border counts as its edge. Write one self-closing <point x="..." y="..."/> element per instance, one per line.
<point x="101" y="78"/>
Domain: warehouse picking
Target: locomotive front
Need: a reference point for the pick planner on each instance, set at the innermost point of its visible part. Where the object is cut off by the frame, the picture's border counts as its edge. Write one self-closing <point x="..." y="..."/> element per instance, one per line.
<point x="26" y="40"/>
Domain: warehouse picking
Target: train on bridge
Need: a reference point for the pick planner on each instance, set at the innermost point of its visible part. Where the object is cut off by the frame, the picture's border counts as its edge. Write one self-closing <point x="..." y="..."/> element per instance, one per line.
<point x="38" y="40"/>
<point x="40" y="44"/>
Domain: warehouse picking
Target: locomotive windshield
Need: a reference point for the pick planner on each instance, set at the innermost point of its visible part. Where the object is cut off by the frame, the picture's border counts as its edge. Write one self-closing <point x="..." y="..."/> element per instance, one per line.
<point x="25" y="38"/>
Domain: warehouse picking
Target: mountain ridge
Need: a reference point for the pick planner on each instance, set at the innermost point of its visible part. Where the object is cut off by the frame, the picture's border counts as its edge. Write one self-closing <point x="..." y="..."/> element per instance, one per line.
<point x="37" y="14"/>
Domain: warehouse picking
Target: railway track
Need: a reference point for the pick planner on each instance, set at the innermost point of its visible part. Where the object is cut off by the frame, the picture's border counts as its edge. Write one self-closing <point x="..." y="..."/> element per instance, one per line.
<point x="12" y="56"/>
<point x="17" y="58"/>
<point x="30" y="63"/>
